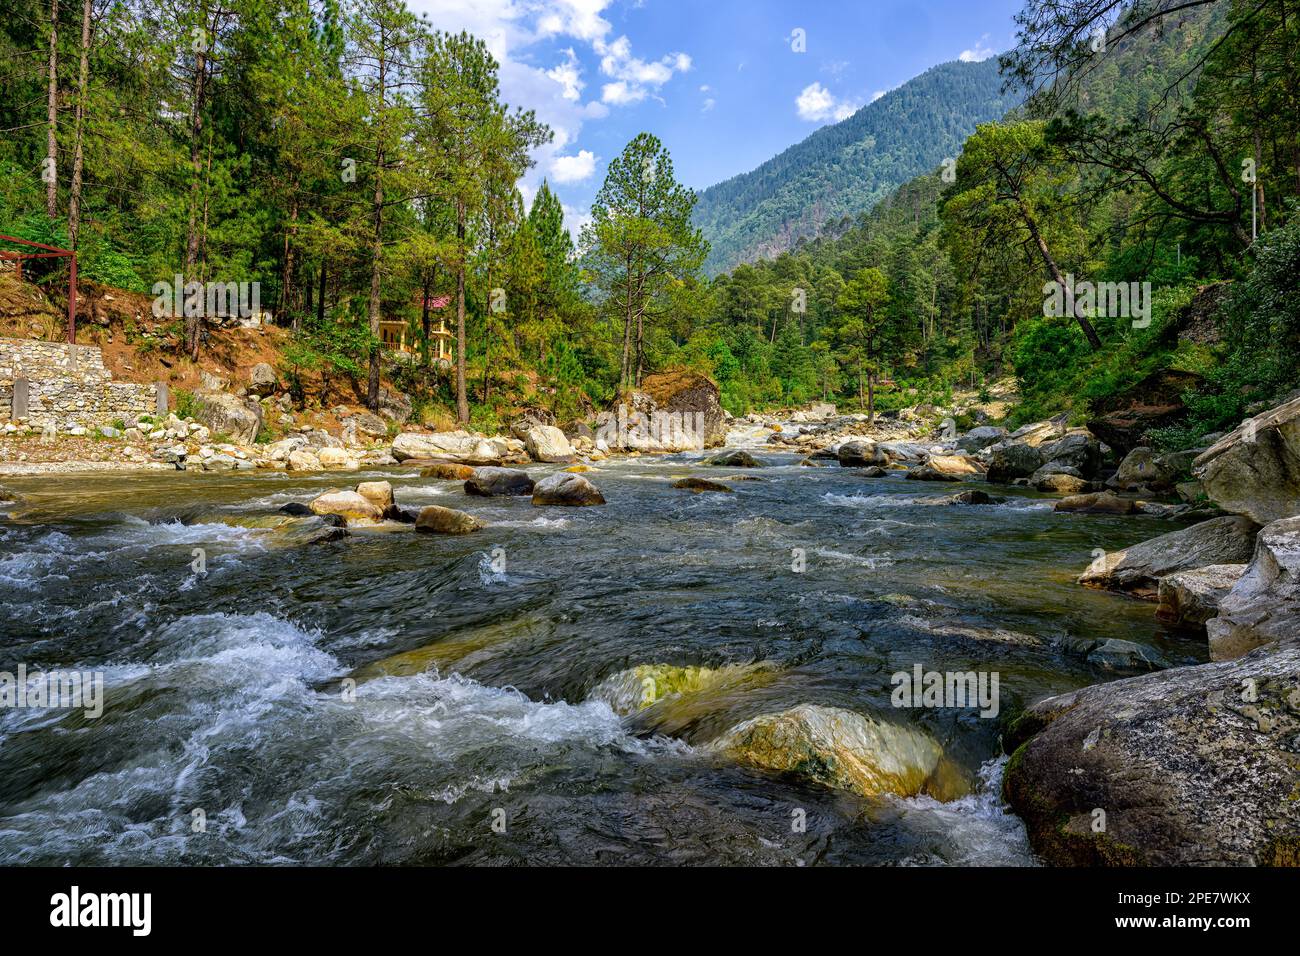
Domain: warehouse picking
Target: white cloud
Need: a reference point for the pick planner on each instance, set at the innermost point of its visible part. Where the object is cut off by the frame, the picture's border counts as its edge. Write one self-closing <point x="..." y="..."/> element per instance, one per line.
<point x="981" y="51"/>
<point x="878" y="94"/>
<point x="569" y="75"/>
<point x="709" y="103"/>
<point x="816" y="103"/>
<point x="634" y="78"/>
<point x="573" y="169"/>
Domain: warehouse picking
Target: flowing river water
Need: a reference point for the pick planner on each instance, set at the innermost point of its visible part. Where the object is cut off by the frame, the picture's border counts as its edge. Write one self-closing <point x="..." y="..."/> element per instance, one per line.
<point x="490" y="720"/>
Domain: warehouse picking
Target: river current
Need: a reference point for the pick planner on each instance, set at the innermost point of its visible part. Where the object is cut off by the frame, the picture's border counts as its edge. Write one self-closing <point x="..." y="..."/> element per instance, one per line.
<point x="400" y="698"/>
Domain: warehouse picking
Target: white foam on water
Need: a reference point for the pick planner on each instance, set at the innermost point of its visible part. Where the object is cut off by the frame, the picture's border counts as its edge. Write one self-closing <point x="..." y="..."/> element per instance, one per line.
<point x="975" y="830"/>
<point x="862" y="561"/>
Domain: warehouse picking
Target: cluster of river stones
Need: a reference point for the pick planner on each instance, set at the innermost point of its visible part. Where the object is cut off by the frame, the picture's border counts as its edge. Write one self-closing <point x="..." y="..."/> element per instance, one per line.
<point x="1189" y="765"/>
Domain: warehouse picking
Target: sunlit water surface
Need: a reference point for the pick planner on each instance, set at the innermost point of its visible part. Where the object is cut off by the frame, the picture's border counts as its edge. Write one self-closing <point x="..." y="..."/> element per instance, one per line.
<point x="476" y="659"/>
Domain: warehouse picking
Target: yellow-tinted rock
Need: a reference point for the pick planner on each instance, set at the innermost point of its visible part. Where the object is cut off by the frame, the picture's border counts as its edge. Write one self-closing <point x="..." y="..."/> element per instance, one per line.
<point x="838" y="748"/>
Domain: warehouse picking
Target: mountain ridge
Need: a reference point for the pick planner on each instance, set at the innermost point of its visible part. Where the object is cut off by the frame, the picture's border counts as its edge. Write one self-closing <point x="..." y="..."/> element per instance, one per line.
<point x="844" y="168"/>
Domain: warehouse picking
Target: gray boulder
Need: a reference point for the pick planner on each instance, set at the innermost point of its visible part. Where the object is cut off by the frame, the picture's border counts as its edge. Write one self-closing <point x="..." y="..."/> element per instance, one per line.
<point x="1255" y="470"/>
<point x="226" y="414"/>
<point x="1013" y="459"/>
<point x="1078" y="451"/>
<point x="1193" y="766"/>
<point x="1190" y="598"/>
<point x="491" y="482"/>
<point x="1264" y="604"/>
<point x="980" y="438"/>
<point x="861" y="454"/>
<point x="563" y="488"/>
<point x="1138" y="569"/>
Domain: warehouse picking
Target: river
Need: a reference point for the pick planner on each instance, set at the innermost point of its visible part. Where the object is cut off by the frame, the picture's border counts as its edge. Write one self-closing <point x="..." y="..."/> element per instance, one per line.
<point x="485" y="724"/>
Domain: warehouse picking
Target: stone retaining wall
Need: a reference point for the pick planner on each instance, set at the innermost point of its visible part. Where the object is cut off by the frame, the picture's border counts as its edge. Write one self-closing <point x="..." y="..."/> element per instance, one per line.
<point x="68" y="385"/>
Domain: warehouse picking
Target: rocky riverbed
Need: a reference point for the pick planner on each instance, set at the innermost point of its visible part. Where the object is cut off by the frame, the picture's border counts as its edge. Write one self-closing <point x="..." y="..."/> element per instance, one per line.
<point x="544" y="647"/>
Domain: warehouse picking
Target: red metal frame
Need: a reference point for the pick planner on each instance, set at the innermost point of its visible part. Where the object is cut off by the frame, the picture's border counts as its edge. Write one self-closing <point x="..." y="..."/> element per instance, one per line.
<point x="53" y="252"/>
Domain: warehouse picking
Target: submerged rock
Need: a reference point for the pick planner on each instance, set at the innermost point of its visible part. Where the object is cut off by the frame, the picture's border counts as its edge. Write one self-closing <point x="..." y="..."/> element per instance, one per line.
<point x="1190" y="598"/>
<point x="1139" y="569"/>
<point x="734" y="459"/>
<point x="643" y="686"/>
<point x="1098" y="503"/>
<point x="434" y="519"/>
<point x="1264" y="604"/>
<point x="1190" y="766"/>
<point x="447" y="471"/>
<point x="490" y="482"/>
<point x="1255" y="471"/>
<point x="839" y="748"/>
<point x="563" y="488"/>
<point x="700" y="484"/>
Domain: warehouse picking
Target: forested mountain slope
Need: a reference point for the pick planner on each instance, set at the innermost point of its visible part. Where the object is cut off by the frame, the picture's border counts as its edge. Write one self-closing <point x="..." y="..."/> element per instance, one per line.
<point x="846" y="168"/>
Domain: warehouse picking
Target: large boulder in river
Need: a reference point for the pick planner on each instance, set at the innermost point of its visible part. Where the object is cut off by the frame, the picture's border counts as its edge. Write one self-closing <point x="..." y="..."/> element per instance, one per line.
<point x="348" y="505"/>
<point x="1255" y="470"/>
<point x="457" y="446"/>
<point x="981" y="437"/>
<point x="1138" y="569"/>
<point x="1144" y="470"/>
<point x="1058" y="482"/>
<point x="1190" y="598"/>
<point x="862" y="453"/>
<point x="490" y="482"/>
<point x="1097" y="503"/>
<point x="948" y="468"/>
<point x="1188" y="766"/>
<point x="379" y="493"/>
<point x="547" y="443"/>
<point x="434" y="519"/>
<point x="563" y="488"/>
<point x="839" y="748"/>
<point x="1074" y="453"/>
<point x="669" y="412"/>
<point x="226" y="414"/>
<point x="1013" y="459"/>
<point x="1264" y="605"/>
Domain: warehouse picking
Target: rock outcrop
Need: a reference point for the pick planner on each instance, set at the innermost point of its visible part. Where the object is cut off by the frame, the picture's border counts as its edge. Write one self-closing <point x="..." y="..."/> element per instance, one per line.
<point x="226" y="414"/>
<point x="1264" y="605"/>
<point x="1190" y="598"/>
<point x="1255" y="470"/>
<point x="1189" y="766"/>
<point x="670" y="412"/>
<point x="1138" y="569"/>
<point x="862" y="454"/>
<point x="948" y="468"/>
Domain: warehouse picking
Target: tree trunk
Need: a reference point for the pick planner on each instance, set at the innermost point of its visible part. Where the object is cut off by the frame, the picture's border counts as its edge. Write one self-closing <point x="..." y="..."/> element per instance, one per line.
<point x="78" y="154"/>
<point x="52" y="119"/>
<point x="462" y="398"/>
<point x="1089" y="332"/>
<point x="194" y="323"/>
<point x="320" y="301"/>
<point x="376" y="258"/>
<point x="640" y="346"/>
<point x="286" y="275"/>
<point x="624" y="369"/>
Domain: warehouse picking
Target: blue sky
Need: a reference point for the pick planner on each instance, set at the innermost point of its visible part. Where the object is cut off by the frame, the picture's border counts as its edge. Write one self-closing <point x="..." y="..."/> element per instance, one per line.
<point x="721" y="83"/>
